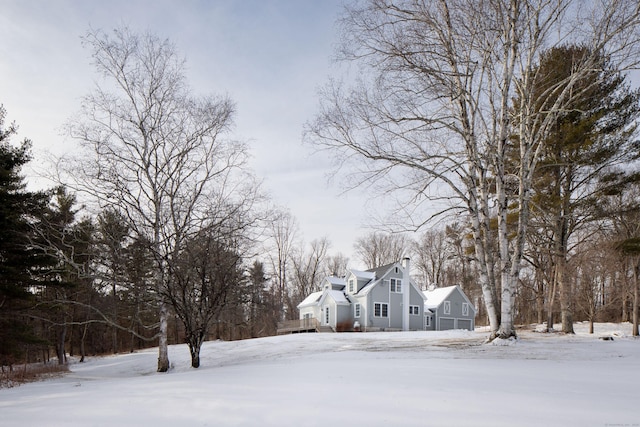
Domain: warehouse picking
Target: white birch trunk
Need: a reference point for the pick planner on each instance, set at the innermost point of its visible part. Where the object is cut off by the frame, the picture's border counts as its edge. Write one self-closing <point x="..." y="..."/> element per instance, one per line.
<point x="163" y="345"/>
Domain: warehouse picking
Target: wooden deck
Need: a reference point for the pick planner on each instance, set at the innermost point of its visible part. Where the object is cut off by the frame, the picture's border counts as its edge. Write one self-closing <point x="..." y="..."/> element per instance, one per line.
<point x="301" y="325"/>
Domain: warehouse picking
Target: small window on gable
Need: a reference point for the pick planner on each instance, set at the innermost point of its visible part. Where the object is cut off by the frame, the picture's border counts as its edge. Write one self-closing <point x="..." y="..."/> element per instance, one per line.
<point x="397" y="271"/>
<point x="356" y="310"/>
<point x="465" y="309"/>
<point x="447" y="307"/>
<point x="351" y="286"/>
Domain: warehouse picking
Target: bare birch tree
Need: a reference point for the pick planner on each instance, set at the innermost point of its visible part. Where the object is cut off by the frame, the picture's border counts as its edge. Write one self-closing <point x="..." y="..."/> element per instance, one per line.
<point x="151" y="150"/>
<point x="432" y="109"/>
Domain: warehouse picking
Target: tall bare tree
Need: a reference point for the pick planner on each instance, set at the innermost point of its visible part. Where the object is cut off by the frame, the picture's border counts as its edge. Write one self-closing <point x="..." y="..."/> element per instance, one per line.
<point x="309" y="268"/>
<point x="283" y="234"/>
<point x="377" y="248"/>
<point x="432" y="112"/>
<point x="152" y="150"/>
<point x="431" y="255"/>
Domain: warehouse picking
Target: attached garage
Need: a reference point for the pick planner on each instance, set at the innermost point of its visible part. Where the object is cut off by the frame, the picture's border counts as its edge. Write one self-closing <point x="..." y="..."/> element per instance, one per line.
<point x="451" y="309"/>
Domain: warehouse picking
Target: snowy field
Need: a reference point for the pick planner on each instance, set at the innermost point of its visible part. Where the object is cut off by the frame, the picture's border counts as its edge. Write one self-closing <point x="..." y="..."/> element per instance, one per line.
<point x="352" y="379"/>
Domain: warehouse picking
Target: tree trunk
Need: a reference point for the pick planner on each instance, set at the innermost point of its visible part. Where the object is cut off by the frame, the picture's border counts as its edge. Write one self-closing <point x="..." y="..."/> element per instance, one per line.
<point x="60" y="350"/>
<point x="163" y="345"/>
<point x="565" y="299"/>
<point x="82" y="348"/>
<point x="636" y="273"/>
<point x="540" y="300"/>
<point x="551" y="301"/>
<point x="195" y="344"/>
<point x="114" y="332"/>
<point x="485" y="264"/>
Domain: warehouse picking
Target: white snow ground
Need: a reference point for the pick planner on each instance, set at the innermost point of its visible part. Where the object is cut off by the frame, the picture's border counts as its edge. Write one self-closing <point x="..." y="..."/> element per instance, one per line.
<point x="373" y="379"/>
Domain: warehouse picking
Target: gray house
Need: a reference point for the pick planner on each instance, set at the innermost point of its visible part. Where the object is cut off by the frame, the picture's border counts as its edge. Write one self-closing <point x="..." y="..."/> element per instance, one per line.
<point x="380" y="299"/>
<point x="448" y="308"/>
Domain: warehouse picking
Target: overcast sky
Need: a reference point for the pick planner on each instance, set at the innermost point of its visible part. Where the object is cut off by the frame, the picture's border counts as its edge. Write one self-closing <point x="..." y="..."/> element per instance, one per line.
<point x="269" y="56"/>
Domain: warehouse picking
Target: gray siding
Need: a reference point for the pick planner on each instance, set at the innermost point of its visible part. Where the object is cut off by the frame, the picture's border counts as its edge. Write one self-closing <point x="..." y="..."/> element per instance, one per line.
<point x="431" y="325"/>
<point x="380" y="294"/>
<point x="416" y="322"/>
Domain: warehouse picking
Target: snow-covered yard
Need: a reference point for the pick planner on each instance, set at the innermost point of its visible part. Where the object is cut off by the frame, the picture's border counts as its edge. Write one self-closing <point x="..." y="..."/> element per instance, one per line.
<point x="370" y="379"/>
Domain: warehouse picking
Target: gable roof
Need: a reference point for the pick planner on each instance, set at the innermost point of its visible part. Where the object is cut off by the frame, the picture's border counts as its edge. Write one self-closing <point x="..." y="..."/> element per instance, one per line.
<point x="436" y="296"/>
<point x="382" y="270"/>
<point x="338" y="296"/>
<point x="311" y="299"/>
<point x="371" y="275"/>
<point x="336" y="280"/>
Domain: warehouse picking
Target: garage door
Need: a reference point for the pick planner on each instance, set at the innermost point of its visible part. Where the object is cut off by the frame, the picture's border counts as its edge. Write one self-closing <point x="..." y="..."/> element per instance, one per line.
<point x="464" y="324"/>
<point x="446" y="324"/>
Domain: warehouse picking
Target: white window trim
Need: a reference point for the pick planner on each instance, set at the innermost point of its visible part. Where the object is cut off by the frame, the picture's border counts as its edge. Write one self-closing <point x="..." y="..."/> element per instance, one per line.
<point x="356" y="311"/>
<point x="465" y="309"/>
<point x="395" y="285"/>
<point x="447" y="307"/>
<point x="414" y="310"/>
<point x="327" y="317"/>
<point x="381" y="310"/>
<point x="427" y="321"/>
<point x="351" y="286"/>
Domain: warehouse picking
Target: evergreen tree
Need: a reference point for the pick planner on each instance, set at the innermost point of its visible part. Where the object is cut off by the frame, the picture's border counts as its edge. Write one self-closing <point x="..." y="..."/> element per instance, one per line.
<point x="594" y="134"/>
<point x="23" y="267"/>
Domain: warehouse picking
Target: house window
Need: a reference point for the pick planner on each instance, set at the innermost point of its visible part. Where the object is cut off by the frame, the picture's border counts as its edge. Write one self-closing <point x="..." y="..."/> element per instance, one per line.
<point x="414" y="309"/>
<point x="326" y="315"/>
<point x="351" y="286"/>
<point x="427" y="321"/>
<point x="396" y="285"/>
<point x="447" y="307"/>
<point x="465" y="309"/>
<point x="356" y="310"/>
<point x="381" y="309"/>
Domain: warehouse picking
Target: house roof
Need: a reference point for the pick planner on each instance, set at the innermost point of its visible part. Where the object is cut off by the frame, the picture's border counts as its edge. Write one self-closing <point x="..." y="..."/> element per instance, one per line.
<point x="338" y="296"/>
<point x="436" y="296"/>
<point x="381" y="271"/>
<point x="363" y="274"/>
<point x="311" y="299"/>
<point x="336" y="280"/>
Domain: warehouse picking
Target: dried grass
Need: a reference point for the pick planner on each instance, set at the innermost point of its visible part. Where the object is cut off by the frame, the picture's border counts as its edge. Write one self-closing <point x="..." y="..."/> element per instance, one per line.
<point x="12" y="376"/>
